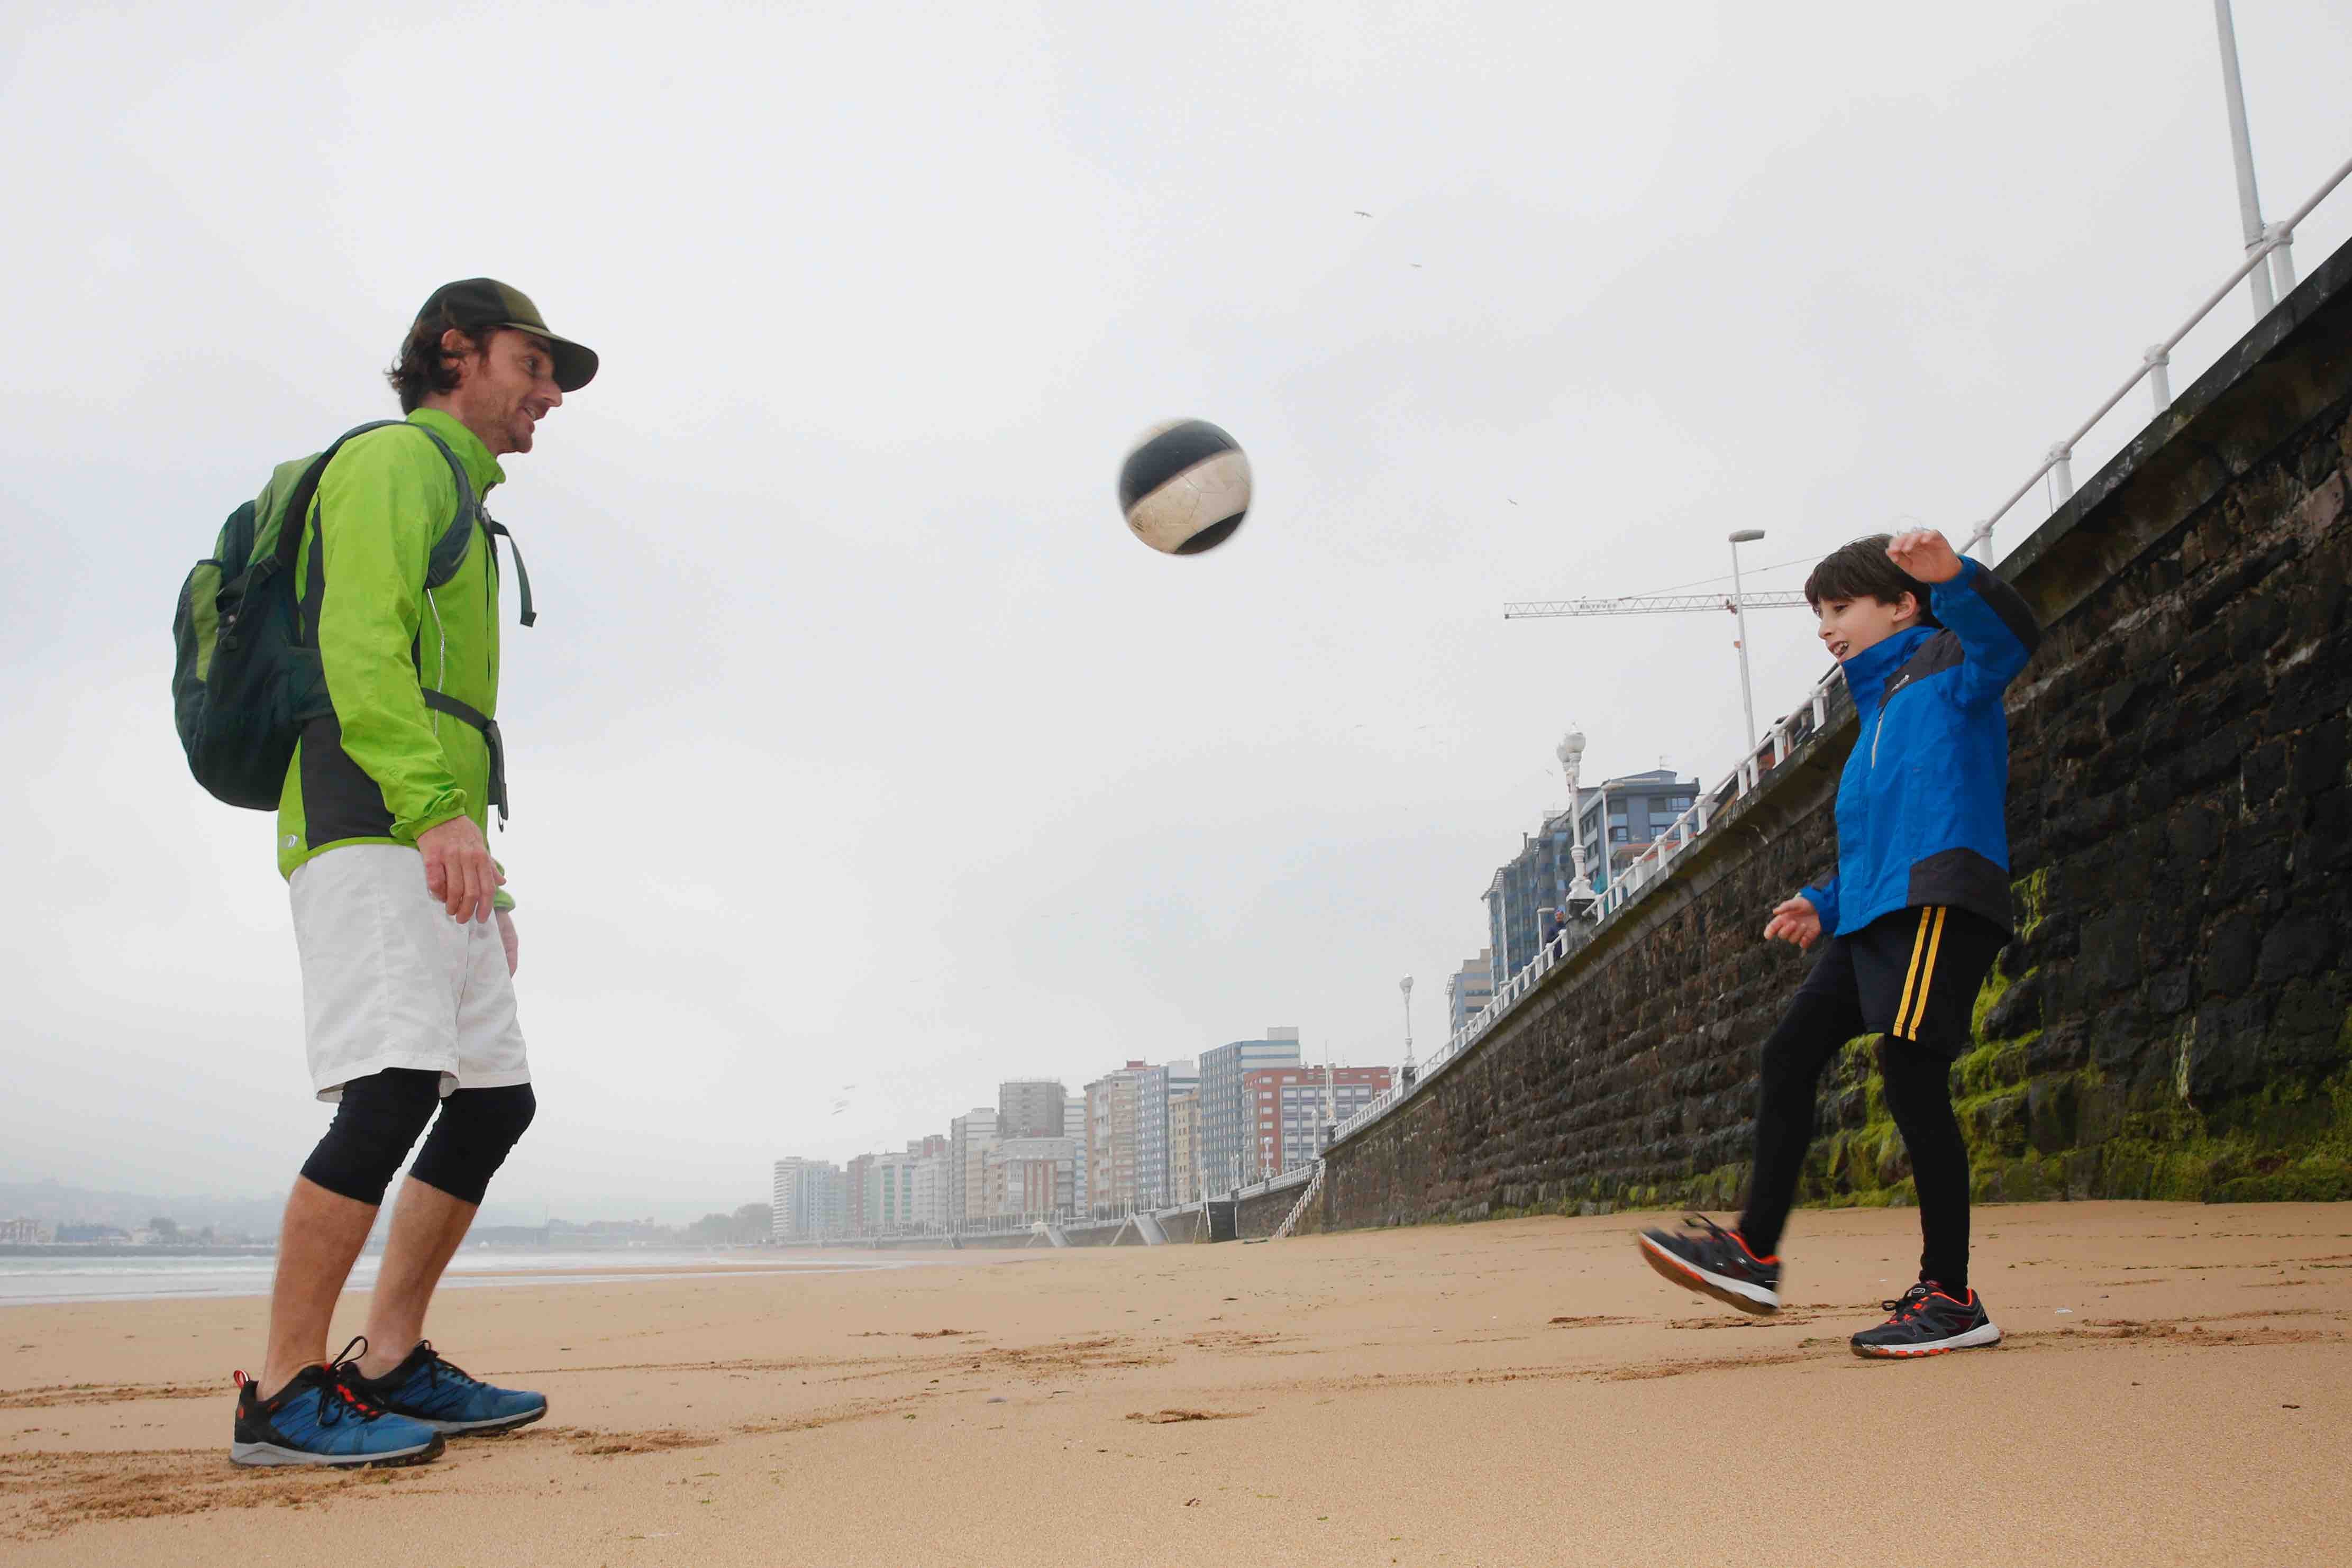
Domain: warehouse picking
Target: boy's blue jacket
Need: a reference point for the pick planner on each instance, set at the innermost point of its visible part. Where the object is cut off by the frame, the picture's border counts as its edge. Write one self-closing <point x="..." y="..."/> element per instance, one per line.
<point x="1921" y="810"/>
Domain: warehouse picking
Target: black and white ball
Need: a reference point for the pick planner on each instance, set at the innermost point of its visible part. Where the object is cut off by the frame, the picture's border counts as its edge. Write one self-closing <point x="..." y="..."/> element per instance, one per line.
<point x="1185" y="487"/>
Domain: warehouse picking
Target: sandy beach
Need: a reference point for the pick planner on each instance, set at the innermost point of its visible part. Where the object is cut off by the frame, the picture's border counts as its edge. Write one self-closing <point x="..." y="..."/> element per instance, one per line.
<point x="2176" y="1387"/>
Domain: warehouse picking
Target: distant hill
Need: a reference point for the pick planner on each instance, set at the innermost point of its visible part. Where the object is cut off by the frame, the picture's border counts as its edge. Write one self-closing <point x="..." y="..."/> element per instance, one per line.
<point x="53" y="1203"/>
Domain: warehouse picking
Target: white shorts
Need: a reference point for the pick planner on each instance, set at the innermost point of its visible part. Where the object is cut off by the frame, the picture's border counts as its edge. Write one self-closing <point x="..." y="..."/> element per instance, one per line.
<point x="390" y="980"/>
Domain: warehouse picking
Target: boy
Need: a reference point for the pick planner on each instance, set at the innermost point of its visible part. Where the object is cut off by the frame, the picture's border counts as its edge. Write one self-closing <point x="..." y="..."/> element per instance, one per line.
<point x="1918" y="910"/>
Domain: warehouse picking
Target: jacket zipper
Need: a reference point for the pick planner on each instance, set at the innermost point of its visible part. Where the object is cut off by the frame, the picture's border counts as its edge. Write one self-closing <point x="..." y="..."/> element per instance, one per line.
<point x="441" y="671"/>
<point x="1874" y="733"/>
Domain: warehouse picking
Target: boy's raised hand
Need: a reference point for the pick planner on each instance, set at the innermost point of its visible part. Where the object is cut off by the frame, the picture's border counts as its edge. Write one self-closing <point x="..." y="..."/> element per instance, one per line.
<point x="1794" y="920"/>
<point x="1926" y="554"/>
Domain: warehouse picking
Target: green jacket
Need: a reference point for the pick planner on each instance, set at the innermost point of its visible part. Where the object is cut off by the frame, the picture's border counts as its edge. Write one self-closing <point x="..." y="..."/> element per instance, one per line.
<point x="383" y="768"/>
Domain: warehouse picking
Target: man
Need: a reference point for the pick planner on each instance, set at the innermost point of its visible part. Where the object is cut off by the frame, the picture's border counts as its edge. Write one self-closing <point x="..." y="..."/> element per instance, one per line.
<point x="407" y="941"/>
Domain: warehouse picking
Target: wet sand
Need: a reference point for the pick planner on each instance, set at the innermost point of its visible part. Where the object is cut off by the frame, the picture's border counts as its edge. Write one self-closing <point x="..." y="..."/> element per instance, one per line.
<point x="2176" y="1387"/>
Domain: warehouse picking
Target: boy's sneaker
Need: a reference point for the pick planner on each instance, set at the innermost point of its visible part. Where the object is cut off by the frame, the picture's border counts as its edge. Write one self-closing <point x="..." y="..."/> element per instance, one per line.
<point x="1926" y="1322"/>
<point x="442" y="1395"/>
<point x="1716" y="1262"/>
<point x="320" y="1418"/>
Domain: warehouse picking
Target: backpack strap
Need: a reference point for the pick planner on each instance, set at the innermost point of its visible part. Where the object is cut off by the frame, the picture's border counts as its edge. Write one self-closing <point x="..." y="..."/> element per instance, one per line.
<point x="458" y="537"/>
<point x="522" y="575"/>
<point x="442" y="702"/>
<point x="448" y="553"/>
<point x="296" y="519"/>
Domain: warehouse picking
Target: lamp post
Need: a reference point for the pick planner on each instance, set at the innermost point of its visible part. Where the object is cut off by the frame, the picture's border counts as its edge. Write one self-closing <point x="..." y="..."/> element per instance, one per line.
<point x="1739" y="602"/>
<point x="1570" y="753"/>
<point x="1405" y="985"/>
<point x="2280" y="267"/>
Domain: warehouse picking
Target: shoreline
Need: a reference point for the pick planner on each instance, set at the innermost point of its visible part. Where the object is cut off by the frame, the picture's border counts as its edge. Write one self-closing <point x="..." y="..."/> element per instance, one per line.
<point x="242" y="1277"/>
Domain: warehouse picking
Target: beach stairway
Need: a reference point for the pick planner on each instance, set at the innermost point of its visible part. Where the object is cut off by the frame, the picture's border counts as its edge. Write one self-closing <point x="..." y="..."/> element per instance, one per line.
<point x="1290" y="1220"/>
<point x="1143" y="1228"/>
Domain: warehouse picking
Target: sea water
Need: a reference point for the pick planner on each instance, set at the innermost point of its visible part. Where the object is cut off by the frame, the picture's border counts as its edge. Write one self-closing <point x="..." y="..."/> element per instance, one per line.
<point x="50" y="1280"/>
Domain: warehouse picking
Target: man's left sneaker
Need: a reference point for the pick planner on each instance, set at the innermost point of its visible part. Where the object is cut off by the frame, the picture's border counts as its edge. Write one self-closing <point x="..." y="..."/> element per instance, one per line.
<point x="426" y="1388"/>
<point x="1927" y="1322"/>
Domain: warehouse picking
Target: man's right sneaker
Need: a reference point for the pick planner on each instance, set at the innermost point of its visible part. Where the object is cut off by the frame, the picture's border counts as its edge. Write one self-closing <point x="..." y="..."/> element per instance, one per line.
<point x="1714" y="1262"/>
<point x="317" y="1418"/>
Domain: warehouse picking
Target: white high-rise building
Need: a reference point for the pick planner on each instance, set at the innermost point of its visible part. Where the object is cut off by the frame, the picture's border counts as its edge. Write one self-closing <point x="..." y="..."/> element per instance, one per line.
<point x="1184" y="1145"/>
<point x="1111" y="1108"/>
<point x="890" y="1195"/>
<point x="1074" y="1128"/>
<point x="1154" y="1178"/>
<point x="809" y="1200"/>
<point x="969" y="1137"/>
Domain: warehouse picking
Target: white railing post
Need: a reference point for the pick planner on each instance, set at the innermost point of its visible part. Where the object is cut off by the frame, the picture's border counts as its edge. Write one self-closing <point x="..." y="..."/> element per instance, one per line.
<point x="2160" y="383"/>
<point x="2281" y="239"/>
<point x="2062" y="468"/>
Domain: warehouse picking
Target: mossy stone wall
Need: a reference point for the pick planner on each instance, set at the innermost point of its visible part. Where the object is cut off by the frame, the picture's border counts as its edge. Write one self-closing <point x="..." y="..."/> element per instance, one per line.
<point x="2174" y="1018"/>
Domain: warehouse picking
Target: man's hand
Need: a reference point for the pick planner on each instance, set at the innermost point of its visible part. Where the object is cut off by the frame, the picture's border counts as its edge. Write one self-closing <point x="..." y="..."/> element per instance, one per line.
<point x="1794" y="920"/>
<point x="1926" y="554"/>
<point x="459" y="869"/>
<point x="507" y="938"/>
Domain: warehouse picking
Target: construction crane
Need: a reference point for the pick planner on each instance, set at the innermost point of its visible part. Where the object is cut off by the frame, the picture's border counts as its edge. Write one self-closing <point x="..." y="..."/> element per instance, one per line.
<point x="1649" y="605"/>
<point x="1736" y="602"/>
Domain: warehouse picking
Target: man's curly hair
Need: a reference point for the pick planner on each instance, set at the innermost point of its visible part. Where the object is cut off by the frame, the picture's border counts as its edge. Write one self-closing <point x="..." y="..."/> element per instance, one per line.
<point x="425" y="367"/>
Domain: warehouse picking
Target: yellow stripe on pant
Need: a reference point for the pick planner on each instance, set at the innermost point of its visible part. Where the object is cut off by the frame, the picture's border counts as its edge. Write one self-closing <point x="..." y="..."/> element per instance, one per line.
<point x="1923" y="972"/>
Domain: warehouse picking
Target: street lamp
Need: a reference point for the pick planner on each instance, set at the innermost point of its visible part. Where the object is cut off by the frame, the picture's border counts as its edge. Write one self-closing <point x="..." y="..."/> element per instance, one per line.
<point x="2280" y="270"/>
<point x="1405" y="985"/>
<point x="1739" y="601"/>
<point x="1570" y="753"/>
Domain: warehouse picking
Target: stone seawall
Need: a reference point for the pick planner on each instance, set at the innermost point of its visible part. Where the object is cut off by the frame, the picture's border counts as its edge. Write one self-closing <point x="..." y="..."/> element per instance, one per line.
<point x="2174" y="1019"/>
<point x="1256" y="1218"/>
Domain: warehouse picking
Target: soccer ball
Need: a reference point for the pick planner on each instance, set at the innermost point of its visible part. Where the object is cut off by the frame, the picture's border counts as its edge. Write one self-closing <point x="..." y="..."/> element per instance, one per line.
<point x="1185" y="487"/>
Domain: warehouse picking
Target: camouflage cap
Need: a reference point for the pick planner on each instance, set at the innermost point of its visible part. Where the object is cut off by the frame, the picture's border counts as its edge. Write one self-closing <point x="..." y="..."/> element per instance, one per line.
<point x="478" y="302"/>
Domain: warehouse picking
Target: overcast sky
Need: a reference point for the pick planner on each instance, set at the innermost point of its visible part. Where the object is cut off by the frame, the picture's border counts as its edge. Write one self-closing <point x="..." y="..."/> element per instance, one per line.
<point x="859" y="752"/>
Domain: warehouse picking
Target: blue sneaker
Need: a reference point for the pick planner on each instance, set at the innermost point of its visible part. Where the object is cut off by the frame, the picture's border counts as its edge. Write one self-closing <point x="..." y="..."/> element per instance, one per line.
<point x="321" y="1419"/>
<point x="442" y="1395"/>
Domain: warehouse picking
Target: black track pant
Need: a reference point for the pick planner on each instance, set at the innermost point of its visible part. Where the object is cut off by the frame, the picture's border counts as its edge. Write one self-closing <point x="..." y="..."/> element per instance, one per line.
<point x="1912" y="976"/>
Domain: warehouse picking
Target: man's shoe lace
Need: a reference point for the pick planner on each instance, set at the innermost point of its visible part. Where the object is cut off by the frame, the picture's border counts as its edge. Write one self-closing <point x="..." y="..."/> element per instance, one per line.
<point x="337" y="1397"/>
<point x="439" y="1367"/>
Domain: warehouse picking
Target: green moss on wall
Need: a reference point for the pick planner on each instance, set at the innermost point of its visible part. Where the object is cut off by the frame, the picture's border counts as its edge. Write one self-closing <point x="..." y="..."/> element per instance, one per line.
<point x="2290" y="1140"/>
<point x="2074" y="1134"/>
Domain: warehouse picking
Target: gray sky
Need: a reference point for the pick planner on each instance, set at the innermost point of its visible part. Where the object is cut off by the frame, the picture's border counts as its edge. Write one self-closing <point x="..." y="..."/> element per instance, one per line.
<point x="857" y="744"/>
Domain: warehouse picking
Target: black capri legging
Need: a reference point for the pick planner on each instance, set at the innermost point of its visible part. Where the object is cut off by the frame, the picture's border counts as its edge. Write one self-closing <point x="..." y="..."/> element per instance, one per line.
<point x="378" y="1122"/>
<point x="1916" y="971"/>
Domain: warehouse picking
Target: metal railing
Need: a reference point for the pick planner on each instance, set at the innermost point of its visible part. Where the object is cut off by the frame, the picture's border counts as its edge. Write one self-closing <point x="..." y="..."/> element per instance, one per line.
<point x="1785" y="733"/>
<point x="1290" y="1221"/>
<point x="2277" y="237"/>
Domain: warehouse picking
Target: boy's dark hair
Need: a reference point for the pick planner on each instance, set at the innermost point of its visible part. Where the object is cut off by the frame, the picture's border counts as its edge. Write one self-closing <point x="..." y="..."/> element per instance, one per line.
<point x="1861" y="570"/>
<point x="423" y="366"/>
